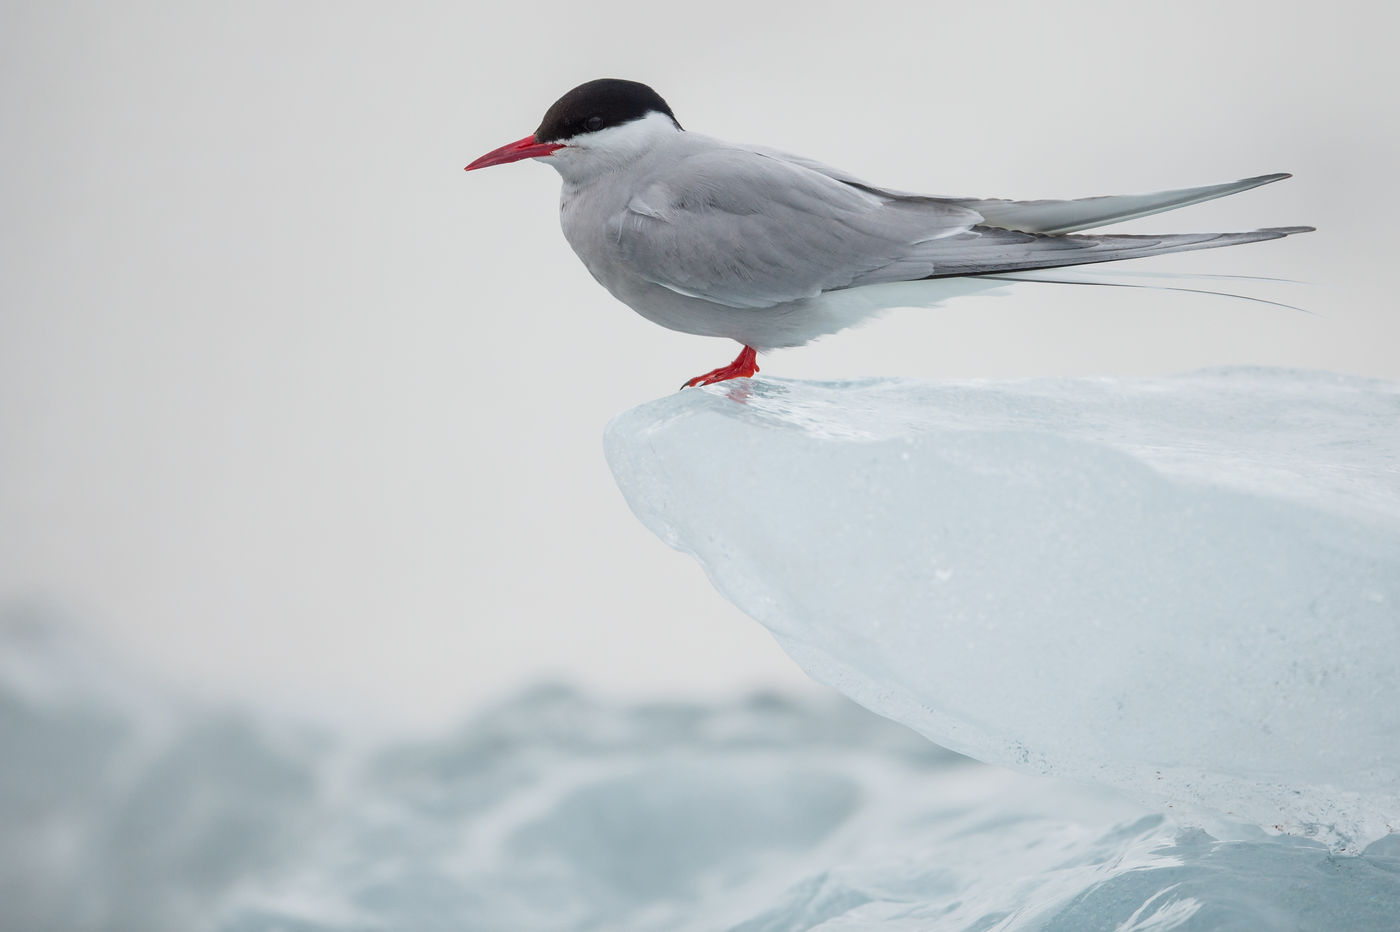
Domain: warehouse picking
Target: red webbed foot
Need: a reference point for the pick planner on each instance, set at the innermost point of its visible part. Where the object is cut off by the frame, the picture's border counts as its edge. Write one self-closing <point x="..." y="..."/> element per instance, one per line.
<point x="741" y="368"/>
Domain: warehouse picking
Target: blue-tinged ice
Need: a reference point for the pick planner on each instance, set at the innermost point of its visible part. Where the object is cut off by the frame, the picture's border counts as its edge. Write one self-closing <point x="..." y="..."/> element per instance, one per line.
<point x="1187" y="588"/>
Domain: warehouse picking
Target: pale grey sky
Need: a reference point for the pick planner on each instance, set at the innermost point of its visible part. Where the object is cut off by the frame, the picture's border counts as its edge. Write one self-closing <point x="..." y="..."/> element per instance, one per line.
<point x="296" y="408"/>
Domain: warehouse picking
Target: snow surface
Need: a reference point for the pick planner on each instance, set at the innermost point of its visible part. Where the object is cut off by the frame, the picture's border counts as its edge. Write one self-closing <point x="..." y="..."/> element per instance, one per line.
<point x="127" y="807"/>
<point x="1184" y="588"/>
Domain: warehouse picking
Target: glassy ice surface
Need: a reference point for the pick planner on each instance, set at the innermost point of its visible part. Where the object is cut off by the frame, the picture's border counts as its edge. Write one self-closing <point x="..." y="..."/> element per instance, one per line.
<point x="1185" y="588"/>
<point x="127" y="807"/>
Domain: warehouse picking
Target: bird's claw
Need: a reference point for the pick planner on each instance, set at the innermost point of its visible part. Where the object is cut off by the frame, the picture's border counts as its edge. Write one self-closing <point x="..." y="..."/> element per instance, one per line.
<point x="745" y="366"/>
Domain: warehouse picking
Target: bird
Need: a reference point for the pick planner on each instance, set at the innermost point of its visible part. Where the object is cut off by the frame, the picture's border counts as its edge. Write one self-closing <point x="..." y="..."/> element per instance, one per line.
<point x="773" y="250"/>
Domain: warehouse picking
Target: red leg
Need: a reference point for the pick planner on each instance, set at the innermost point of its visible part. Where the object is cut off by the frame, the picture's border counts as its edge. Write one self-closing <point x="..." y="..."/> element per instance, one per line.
<point x="742" y="368"/>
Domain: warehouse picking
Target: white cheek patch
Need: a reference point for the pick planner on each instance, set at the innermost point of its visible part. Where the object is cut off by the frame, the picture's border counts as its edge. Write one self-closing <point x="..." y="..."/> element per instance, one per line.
<point x="590" y="154"/>
<point x="634" y="136"/>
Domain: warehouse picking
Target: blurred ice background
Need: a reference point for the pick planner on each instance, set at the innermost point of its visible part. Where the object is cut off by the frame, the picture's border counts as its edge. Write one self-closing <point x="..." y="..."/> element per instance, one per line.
<point x="304" y="423"/>
<point x="130" y="809"/>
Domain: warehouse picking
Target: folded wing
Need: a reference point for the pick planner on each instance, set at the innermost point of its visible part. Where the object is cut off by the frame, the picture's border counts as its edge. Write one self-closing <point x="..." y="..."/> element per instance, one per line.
<point x="751" y="228"/>
<point x="1088" y="212"/>
<point x="743" y="229"/>
<point x="988" y="250"/>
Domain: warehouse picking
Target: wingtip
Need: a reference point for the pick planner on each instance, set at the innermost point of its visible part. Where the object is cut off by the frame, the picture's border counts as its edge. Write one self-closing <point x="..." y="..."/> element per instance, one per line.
<point x="1288" y="231"/>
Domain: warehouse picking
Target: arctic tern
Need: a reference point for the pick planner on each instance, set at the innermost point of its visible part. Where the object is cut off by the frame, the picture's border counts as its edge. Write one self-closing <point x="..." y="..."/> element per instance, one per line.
<point x="773" y="250"/>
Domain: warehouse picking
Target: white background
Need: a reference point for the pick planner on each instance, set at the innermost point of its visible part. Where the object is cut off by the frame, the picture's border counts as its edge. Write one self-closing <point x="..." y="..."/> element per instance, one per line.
<point x="298" y="410"/>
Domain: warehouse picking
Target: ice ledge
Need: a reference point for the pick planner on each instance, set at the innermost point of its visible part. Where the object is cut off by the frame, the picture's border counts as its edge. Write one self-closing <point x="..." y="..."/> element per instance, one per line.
<point x="1187" y="588"/>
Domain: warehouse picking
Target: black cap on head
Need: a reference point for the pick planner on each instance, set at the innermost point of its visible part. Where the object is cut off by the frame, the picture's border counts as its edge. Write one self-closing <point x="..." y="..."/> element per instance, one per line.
<point x="598" y="105"/>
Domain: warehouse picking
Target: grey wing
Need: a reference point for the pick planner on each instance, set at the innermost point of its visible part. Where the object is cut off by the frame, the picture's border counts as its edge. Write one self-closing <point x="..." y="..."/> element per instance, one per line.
<point x="745" y="229"/>
<point x="1018" y="236"/>
<point x="1055" y="216"/>
<point x="1088" y="212"/>
<point x="990" y="250"/>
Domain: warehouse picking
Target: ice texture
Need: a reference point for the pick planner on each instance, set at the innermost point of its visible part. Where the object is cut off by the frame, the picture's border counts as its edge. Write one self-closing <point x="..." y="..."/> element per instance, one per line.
<point x="126" y="807"/>
<point x="1185" y="588"/>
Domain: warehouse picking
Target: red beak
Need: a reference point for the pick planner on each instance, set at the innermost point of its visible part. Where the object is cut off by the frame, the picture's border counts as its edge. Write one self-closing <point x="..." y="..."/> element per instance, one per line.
<point x="526" y="148"/>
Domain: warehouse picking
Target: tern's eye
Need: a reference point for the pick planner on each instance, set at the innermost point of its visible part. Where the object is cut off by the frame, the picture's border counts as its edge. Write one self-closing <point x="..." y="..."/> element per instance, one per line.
<point x="593" y="123"/>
